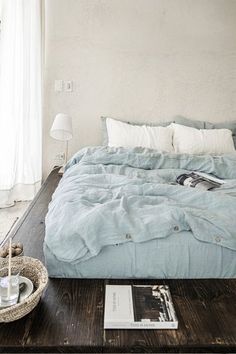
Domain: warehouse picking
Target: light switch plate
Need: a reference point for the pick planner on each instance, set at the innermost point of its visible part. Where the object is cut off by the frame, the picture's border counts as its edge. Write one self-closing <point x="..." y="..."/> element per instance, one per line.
<point x="58" y="85"/>
<point x="68" y="84"/>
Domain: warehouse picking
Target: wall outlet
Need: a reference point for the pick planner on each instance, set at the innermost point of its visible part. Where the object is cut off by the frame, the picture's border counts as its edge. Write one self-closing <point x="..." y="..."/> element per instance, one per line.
<point x="59" y="159"/>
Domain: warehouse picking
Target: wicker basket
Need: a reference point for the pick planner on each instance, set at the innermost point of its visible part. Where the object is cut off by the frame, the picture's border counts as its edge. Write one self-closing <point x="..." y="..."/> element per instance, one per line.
<point x="34" y="270"/>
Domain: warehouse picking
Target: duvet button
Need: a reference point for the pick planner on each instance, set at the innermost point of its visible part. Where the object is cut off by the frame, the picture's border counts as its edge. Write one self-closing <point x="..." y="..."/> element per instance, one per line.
<point x="176" y="228"/>
<point x="218" y="238"/>
<point x="128" y="237"/>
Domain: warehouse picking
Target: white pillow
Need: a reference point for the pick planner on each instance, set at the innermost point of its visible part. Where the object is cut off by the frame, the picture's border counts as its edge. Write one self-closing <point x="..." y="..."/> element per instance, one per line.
<point x="202" y="141"/>
<point x="127" y="135"/>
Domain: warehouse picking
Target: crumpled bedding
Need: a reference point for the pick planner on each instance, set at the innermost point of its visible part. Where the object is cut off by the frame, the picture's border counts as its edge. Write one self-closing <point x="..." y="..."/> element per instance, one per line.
<point x="111" y="196"/>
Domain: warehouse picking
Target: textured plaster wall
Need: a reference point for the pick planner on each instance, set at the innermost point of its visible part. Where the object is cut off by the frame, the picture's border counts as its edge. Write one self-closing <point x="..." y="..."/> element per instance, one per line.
<point x="145" y="60"/>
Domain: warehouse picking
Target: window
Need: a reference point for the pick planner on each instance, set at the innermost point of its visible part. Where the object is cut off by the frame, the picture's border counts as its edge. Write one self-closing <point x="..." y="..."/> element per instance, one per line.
<point x="0" y="33"/>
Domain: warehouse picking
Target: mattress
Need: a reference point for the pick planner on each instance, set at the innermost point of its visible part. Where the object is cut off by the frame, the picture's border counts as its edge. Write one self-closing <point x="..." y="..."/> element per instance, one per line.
<point x="178" y="256"/>
<point x="119" y="213"/>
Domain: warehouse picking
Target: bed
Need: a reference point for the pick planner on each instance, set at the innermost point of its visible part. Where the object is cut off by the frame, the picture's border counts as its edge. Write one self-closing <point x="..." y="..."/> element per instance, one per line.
<point x="118" y="213"/>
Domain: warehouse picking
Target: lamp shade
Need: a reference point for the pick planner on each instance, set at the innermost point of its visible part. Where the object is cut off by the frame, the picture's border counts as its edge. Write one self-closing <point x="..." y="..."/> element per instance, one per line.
<point x="62" y="127"/>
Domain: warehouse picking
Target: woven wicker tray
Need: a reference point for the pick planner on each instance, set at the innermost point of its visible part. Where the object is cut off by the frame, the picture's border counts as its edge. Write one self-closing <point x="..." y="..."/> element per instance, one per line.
<point x="34" y="270"/>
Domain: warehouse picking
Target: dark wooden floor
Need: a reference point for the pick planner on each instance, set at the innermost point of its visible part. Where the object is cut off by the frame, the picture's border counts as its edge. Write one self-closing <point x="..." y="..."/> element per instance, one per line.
<point x="69" y="318"/>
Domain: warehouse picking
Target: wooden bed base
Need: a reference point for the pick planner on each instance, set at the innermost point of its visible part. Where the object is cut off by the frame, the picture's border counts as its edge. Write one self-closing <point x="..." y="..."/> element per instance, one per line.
<point x="69" y="318"/>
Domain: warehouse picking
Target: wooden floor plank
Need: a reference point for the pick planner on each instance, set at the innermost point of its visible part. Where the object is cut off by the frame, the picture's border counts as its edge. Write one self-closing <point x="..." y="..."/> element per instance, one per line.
<point x="31" y="228"/>
<point x="202" y="319"/>
<point x="71" y="315"/>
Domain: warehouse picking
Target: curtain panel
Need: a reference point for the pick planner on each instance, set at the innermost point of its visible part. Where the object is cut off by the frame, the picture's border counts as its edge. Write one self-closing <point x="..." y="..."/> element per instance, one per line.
<point x="20" y="100"/>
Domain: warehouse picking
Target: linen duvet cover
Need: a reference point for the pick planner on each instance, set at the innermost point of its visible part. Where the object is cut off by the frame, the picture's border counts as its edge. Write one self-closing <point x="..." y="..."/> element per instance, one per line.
<point x="113" y="196"/>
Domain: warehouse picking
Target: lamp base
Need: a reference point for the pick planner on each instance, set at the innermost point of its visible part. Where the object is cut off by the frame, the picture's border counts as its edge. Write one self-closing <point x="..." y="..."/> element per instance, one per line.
<point x="62" y="170"/>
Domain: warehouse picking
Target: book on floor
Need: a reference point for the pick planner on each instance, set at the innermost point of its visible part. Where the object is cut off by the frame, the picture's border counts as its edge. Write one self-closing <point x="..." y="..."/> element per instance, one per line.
<point x="139" y="307"/>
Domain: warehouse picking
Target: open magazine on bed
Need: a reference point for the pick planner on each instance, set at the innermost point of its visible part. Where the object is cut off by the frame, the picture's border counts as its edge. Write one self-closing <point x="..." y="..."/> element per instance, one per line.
<point x="199" y="180"/>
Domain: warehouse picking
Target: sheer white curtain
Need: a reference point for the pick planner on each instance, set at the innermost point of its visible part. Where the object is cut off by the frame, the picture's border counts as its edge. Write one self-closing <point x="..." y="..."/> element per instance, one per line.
<point x="20" y="100"/>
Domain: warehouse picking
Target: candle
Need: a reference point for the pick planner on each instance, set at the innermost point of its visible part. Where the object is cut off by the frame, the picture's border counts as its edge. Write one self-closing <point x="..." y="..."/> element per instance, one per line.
<point x="9" y="271"/>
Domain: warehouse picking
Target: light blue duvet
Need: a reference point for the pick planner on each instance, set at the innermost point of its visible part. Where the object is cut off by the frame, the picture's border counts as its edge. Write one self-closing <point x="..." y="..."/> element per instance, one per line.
<point x="112" y="196"/>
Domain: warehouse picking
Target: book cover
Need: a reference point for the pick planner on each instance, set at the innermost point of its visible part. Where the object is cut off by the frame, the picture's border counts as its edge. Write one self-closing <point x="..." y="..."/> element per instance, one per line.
<point x="199" y="180"/>
<point x="139" y="306"/>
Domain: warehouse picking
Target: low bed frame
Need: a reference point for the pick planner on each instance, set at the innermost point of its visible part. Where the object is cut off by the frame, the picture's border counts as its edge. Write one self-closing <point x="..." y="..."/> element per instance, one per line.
<point x="69" y="318"/>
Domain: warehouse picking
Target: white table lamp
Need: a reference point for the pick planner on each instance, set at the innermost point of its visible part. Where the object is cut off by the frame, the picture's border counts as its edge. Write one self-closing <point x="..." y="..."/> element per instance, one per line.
<point x="62" y="130"/>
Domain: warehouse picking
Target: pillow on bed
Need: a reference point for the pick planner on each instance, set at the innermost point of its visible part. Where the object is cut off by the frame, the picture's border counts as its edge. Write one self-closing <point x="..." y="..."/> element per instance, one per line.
<point x="127" y="135"/>
<point x="202" y="141"/>
<point x="227" y="125"/>
<point x="190" y="122"/>
<point x="104" y="126"/>
<point x="231" y="125"/>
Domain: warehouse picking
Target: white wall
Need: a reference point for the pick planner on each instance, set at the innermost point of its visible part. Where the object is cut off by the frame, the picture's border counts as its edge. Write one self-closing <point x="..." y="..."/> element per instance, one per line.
<point x="145" y="60"/>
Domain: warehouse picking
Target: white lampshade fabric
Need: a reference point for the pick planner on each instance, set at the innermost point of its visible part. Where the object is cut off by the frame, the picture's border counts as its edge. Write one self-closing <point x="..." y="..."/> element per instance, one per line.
<point x="62" y="127"/>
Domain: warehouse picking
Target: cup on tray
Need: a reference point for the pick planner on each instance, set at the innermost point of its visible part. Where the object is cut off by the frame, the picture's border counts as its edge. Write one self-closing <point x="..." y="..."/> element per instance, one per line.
<point x="9" y="287"/>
